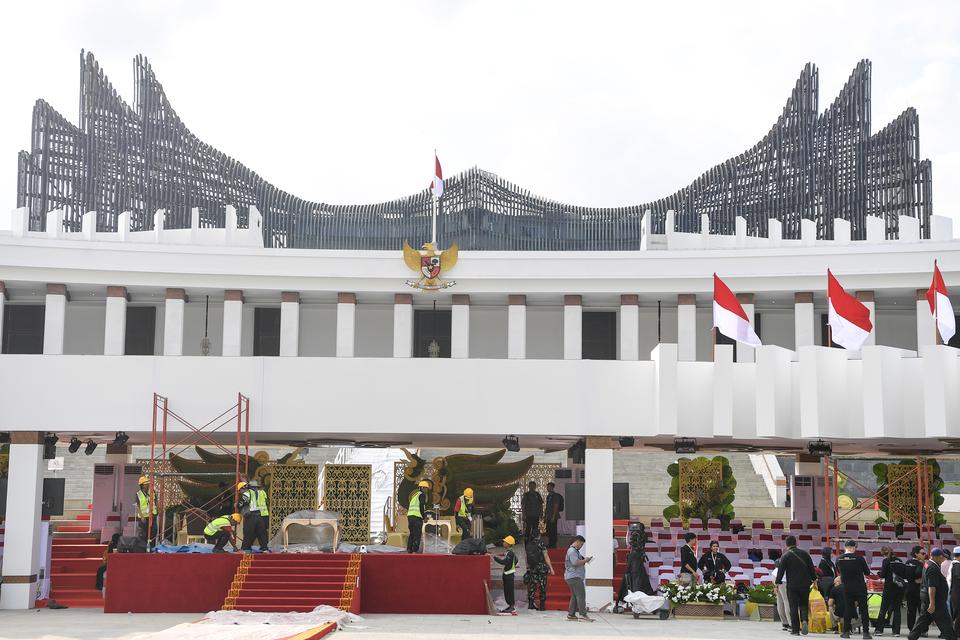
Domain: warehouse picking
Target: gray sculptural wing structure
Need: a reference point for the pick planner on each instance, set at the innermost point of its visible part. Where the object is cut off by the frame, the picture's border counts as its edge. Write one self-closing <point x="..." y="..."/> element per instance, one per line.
<point x="818" y="166"/>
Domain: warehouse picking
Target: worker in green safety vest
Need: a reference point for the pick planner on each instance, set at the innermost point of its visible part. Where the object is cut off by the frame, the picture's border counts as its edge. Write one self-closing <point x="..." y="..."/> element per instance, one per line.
<point x="219" y="532"/>
<point x="463" y="512"/>
<point x="416" y="512"/>
<point x="143" y="505"/>
<point x="253" y="506"/>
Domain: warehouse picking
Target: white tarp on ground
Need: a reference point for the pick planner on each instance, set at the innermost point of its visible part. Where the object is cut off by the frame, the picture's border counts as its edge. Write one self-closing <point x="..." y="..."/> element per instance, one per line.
<point x="251" y="625"/>
<point x="642" y="603"/>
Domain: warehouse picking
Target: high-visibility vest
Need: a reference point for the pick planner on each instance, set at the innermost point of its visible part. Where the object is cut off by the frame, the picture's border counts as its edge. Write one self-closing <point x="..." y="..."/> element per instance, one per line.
<point x="462" y="511"/>
<point x="413" y="509"/>
<point x="143" y="505"/>
<point x="257" y="499"/>
<point x="512" y="568"/>
<point x="216" y="524"/>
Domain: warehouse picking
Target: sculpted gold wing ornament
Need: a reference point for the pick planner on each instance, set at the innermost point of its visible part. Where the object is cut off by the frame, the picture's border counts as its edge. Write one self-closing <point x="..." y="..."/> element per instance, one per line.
<point x="429" y="263"/>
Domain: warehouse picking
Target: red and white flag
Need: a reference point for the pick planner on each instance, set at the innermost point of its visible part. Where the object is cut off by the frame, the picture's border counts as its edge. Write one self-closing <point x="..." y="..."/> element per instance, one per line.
<point x="849" y="319"/>
<point x="940" y="306"/>
<point x="437" y="184"/>
<point x="729" y="317"/>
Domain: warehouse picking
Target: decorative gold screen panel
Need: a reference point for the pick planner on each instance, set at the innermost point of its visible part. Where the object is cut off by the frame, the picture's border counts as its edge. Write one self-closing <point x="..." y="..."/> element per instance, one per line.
<point x="172" y="492"/>
<point x="346" y="490"/>
<point x="699" y="479"/>
<point x="902" y="496"/>
<point x="541" y="473"/>
<point x="399" y="466"/>
<point x="292" y="488"/>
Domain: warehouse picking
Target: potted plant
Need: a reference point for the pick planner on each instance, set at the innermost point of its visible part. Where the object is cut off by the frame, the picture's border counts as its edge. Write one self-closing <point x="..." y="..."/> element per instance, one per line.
<point x="763" y="599"/>
<point x="698" y="601"/>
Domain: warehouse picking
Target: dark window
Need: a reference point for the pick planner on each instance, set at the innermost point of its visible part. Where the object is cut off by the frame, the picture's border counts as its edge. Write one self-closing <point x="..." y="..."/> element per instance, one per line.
<point x="431" y="325"/>
<point x="266" y="331"/>
<point x="599" y="335"/>
<point x="825" y="333"/>
<point x="23" y="328"/>
<point x="955" y="340"/>
<point x="141" y="331"/>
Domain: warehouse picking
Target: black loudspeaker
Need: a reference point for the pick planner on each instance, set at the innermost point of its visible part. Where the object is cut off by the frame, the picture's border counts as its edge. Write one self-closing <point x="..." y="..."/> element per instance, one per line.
<point x="621" y="500"/>
<point x="131" y="544"/>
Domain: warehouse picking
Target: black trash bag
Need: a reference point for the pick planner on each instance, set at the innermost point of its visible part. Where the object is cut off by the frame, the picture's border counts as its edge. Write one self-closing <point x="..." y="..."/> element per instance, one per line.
<point x="131" y="544"/>
<point x="470" y="547"/>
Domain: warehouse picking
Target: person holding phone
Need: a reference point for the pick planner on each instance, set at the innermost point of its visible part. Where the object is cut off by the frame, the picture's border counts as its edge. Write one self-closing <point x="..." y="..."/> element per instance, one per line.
<point x="575" y="575"/>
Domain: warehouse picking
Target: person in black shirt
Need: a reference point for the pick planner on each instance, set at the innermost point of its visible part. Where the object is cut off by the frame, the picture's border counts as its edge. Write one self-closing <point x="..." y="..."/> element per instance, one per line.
<point x="893" y="585"/>
<point x="714" y="565"/>
<point x="955" y="589"/>
<point x="688" y="559"/>
<point x="531" y="508"/>
<point x="912" y="574"/>
<point x="838" y="602"/>
<point x="826" y="571"/>
<point x="551" y="514"/>
<point x="933" y="600"/>
<point x="798" y="566"/>
<point x="853" y="571"/>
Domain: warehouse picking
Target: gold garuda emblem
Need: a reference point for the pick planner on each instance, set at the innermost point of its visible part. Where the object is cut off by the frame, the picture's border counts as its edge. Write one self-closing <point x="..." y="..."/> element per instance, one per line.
<point x="429" y="263"/>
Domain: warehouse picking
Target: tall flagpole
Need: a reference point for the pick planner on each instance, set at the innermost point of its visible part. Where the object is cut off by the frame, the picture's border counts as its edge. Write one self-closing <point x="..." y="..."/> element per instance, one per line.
<point x="936" y="327"/>
<point x="436" y="201"/>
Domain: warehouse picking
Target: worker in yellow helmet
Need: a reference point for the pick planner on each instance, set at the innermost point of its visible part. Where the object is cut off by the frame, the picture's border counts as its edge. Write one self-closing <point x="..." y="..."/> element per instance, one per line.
<point x="416" y="512"/>
<point x="509" y="562"/>
<point x="219" y="532"/>
<point x="143" y="507"/>
<point x="253" y="506"/>
<point x="463" y="512"/>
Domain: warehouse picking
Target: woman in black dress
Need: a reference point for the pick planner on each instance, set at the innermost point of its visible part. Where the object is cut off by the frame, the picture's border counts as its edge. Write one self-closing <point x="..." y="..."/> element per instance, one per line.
<point x="826" y="572"/>
<point x="714" y="565"/>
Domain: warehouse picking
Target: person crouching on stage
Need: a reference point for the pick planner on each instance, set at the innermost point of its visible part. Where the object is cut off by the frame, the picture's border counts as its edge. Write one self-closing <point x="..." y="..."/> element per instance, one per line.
<point x="714" y="565"/>
<point x="509" y="562"/>
<point x="219" y="532"/>
<point x="464" y="513"/>
<point x="416" y="510"/>
<point x="253" y="507"/>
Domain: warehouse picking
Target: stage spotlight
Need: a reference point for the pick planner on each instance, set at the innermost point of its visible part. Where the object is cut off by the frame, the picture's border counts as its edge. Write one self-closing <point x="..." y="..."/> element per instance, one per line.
<point x="820" y="448"/>
<point x="50" y="446"/>
<point x="74" y="444"/>
<point x="626" y="441"/>
<point x="578" y="452"/>
<point x="120" y="439"/>
<point x="90" y="448"/>
<point x="511" y="443"/>
<point x="684" y="445"/>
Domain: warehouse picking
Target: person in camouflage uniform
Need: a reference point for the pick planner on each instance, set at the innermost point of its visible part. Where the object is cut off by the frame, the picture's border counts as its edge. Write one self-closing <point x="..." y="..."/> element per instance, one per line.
<point x="538" y="568"/>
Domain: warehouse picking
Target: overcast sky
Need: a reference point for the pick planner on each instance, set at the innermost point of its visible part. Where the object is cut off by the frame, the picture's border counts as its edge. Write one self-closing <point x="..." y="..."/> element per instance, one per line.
<point x="588" y="103"/>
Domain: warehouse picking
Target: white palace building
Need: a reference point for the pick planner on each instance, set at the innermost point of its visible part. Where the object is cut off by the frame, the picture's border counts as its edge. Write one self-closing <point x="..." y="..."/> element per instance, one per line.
<point x="559" y="323"/>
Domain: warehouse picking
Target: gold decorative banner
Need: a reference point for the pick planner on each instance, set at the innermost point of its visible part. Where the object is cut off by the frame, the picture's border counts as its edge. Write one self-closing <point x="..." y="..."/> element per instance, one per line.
<point x="399" y="467"/>
<point x="346" y="490"/>
<point x="172" y="492"/>
<point x="292" y="488"/>
<point x="700" y="480"/>
<point x="903" y="503"/>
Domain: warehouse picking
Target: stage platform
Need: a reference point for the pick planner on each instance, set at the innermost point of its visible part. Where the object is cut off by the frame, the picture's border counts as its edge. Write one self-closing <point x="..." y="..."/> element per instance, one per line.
<point x="362" y="583"/>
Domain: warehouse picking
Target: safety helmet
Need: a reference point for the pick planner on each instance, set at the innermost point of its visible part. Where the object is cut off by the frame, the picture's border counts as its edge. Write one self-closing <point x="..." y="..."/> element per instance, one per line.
<point x="468" y="492"/>
<point x="235" y="517"/>
<point x="143" y="480"/>
<point x="241" y="485"/>
<point x="509" y="540"/>
<point x="254" y="484"/>
<point x="423" y="484"/>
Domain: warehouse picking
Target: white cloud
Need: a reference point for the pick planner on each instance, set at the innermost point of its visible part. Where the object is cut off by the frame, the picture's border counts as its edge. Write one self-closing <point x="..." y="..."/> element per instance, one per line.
<point x="599" y="103"/>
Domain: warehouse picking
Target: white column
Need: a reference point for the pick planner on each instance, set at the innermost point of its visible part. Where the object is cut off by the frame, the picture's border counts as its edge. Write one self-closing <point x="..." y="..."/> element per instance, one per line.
<point x="115" y="325"/>
<point x="175" y="299"/>
<point x="803" y="319"/>
<point x="687" y="327"/>
<point x="346" y="324"/>
<point x="3" y="302"/>
<point x="289" y="323"/>
<point x="517" y="327"/>
<point x="54" y="319"/>
<point x="402" y="325"/>
<point x="630" y="327"/>
<point x="572" y="327"/>
<point x="21" y="542"/>
<point x="866" y="297"/>
<point x="460" y="326"/>
<point x="747" y="353"/>
<point x="926" y="329"/>
<point x="232" y="322"/>
<point x="598" y="522"/>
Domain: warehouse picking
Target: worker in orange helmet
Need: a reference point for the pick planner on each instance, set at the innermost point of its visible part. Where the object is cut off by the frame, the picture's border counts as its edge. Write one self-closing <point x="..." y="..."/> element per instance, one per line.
<point x="509" y="562"/>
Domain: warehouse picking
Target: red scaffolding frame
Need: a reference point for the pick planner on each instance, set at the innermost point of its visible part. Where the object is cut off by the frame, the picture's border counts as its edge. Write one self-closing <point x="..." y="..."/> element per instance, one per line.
<point x="926" y="512"/>
<point x="238" y="414"/>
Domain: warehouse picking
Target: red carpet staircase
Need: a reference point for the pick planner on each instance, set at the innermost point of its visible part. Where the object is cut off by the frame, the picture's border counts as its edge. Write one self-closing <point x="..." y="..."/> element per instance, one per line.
<point x="77" y="554"/>
<point x="281" y="583"/>
<point x="558" y="593"/>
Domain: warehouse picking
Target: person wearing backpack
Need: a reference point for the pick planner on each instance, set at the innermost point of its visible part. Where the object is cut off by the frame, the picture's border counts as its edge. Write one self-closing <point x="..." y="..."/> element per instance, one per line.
<point x="538" y="568"/>
<point x="892" y="571"/>
<point x="913" y="572"/>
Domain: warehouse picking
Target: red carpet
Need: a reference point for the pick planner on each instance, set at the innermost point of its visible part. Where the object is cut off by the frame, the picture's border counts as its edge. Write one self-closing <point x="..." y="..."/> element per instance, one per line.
<point x="558" y="593"/>
<point x="424" y="583"/>
<point x="73" y="571"/>
<point x="294" y="582"/>
<point x="168" y="582"/>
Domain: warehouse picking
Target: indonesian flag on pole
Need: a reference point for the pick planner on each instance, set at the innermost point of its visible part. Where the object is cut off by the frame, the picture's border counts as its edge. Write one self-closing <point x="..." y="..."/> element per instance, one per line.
<point x="437" y="185"/>
<point x="848" y="318"/>
<point x="940" y="306"/>
<point x="729" y="317"/>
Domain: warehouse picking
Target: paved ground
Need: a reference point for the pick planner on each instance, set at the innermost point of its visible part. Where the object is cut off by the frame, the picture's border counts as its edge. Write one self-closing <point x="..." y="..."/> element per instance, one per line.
<point x="91" y="624"/>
